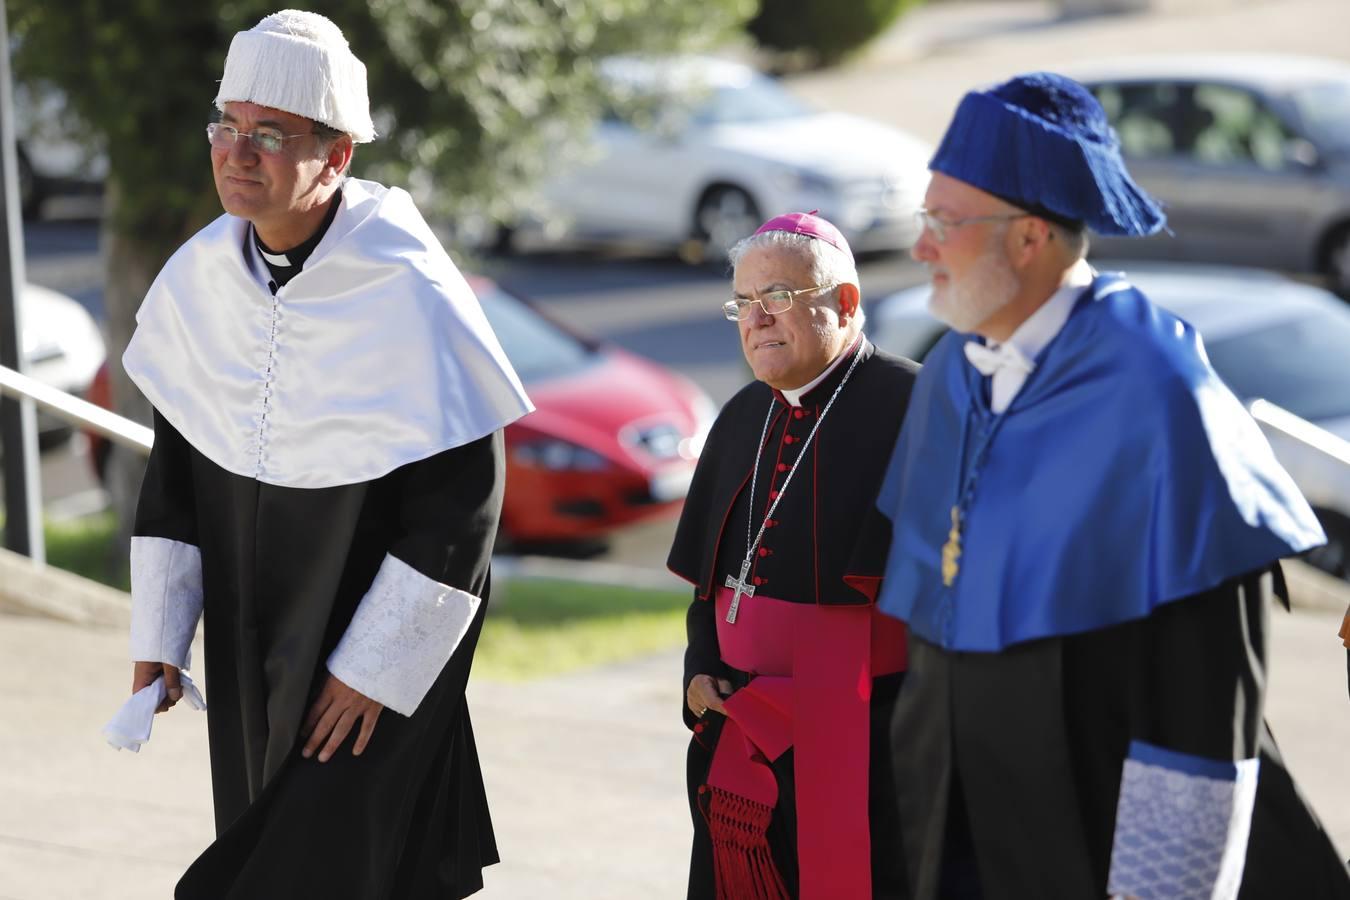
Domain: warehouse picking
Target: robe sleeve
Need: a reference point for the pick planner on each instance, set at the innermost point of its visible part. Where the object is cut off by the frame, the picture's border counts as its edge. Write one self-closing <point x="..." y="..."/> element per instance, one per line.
<point x="1188" y="788"/>
<point x="166" y="561"/>
<point x="703" y="655"/>
<point x="429" y="587"/>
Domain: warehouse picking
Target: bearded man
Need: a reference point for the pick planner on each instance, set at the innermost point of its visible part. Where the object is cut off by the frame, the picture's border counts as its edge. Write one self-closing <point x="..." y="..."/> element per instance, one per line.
<point x="1087" y="532"/>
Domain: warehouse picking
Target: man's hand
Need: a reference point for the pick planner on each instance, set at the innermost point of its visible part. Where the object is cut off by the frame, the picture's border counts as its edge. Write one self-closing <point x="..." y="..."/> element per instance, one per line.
<point x="705" y="694"/>
<point x="1345" y="629"/>
<point x="145" y="673"/>
<point x="332" y="716"/>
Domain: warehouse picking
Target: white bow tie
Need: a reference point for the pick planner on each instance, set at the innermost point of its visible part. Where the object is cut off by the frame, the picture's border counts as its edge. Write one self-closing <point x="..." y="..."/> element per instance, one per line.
<point x="989" y="360"/>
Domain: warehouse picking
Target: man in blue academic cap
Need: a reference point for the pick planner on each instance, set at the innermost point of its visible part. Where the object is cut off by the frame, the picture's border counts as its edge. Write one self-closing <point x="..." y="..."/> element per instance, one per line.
<point x="1087" y="527"/>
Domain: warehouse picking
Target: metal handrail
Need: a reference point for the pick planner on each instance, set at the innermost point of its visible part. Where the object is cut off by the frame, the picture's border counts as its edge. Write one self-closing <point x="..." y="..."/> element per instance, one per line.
<point x="1282" y="420"/>
<point x="137" y="437"/>
<point x="78" y="412"/>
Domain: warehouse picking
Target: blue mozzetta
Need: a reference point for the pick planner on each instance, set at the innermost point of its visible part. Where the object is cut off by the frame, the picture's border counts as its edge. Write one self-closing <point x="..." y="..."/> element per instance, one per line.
<point x="1124" y="475"/>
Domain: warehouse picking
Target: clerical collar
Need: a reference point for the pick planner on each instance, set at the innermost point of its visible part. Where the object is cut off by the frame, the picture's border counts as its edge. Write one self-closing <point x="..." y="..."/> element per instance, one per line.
<point x="285" y="266"/>
<point x="794" y="396"/>
<point x="1040" y="328"/>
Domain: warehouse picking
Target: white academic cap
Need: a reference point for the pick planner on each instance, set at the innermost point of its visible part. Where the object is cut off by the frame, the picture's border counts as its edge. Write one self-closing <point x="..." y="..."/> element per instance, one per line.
<point x="300" y="63"/>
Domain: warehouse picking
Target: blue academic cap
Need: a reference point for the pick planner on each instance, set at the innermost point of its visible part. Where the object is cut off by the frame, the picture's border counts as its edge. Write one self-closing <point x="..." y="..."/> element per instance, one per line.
<point x="1042" y="142"/>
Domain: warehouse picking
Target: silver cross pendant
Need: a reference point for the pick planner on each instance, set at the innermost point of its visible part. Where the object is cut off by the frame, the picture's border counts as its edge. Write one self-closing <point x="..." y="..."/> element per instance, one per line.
<point x="743" y="587"/>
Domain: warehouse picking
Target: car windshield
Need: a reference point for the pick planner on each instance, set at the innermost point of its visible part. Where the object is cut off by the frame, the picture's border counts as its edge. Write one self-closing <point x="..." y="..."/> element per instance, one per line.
<point x="536" y="347"/>
<point x="1298" y="364"/>
<point x="1325" y="109"/>
<point x="759" y="99"/>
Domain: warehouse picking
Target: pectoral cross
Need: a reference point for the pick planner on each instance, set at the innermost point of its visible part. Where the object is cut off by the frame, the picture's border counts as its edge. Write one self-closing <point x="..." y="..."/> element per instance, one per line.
<point x="742" y="586"/>
<point x="951" y="551"/>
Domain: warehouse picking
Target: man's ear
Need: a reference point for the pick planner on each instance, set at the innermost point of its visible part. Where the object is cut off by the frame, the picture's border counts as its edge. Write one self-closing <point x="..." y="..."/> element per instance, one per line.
<point x="849" y="298"/>
<point x="339" y="158"/>
<point x="1029" y="236"/>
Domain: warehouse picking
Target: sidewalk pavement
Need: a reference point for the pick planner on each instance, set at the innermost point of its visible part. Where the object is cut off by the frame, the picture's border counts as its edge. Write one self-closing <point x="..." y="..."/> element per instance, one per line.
<point x="584" y="772"/>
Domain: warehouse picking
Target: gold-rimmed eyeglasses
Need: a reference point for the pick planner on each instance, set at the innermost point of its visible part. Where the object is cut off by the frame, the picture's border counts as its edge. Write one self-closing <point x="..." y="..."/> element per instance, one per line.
<point x="774" y="303"/>
<point x="940" y="227"/>
<point x="264" y="140"/>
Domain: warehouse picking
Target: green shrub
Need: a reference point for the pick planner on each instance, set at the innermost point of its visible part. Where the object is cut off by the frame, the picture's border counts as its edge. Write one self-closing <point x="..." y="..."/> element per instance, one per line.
<point x="824" y="30"/>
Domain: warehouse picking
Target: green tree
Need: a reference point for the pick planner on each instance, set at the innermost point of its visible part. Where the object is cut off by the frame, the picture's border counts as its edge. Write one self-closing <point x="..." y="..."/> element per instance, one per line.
<point x="476" y="98"/>
<point x="823" y="32"/>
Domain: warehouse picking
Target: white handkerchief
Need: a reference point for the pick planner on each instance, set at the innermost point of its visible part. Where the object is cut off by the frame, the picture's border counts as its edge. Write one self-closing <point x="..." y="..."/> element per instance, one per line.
<point x="130" y="728"/>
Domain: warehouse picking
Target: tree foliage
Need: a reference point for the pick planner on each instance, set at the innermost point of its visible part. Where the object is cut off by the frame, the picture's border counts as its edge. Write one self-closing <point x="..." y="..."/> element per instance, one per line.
<point x="825" y="31"/>
<point x="476" y="98"/>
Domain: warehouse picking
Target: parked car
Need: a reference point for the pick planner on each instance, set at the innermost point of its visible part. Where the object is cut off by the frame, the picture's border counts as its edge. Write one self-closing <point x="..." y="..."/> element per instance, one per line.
<point x="722" y="148"/>
<point x="613" y="440"/>
<point x="1267" y="336"/>
<point x="62" y="347"/>
<point x="1249" y="154"/>
<point x="53" y="161"/>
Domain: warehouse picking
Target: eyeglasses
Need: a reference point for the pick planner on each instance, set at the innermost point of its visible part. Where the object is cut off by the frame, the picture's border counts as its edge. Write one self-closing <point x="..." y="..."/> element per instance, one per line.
<point x="939" y="228"/>
<point x="774" y="303"/>
<point x="264" y="140"/>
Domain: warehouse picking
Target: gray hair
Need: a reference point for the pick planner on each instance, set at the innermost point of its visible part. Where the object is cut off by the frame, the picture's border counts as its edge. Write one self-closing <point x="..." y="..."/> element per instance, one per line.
<point x="829" y="264"/>
<point x="1075" y="240"/>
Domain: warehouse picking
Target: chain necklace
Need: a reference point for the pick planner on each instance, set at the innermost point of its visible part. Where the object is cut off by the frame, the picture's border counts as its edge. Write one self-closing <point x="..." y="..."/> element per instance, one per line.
<point x="742" y="584"/>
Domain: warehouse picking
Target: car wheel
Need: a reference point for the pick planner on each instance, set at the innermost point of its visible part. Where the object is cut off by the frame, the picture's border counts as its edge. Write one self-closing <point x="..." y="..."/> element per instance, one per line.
<point x="30" y="198"/>
<point x="1337" y="262"/>
<point x="725" y="214"/>
<point x="1333" y="557"/>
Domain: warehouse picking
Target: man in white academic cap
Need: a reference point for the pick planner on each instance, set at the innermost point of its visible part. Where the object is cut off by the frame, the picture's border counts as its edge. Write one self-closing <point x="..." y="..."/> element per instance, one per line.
<point x="324" y="488"/>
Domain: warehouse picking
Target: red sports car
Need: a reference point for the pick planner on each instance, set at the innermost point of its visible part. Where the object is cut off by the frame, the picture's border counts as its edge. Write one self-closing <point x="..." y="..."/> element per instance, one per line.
<point x="613" y="439"/>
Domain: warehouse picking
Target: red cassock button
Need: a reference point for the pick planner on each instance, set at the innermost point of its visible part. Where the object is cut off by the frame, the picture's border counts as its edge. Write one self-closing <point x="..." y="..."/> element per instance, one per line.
<point x="788" y="439"/>
<point x="764" y="551"/>
<point x="759" y="581"/>
<point x="771" y="523"/>
<point x="773" y="495"/>
<point x="782" y="467"/>
<point x="797" y="414"/>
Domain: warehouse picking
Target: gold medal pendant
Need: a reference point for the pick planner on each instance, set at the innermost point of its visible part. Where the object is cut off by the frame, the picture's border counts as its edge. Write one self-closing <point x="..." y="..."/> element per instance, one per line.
<point x="951" y="551"/>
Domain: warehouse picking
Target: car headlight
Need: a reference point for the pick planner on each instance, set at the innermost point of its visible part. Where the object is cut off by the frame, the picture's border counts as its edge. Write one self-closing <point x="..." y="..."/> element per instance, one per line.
<point x="559" y="456"/>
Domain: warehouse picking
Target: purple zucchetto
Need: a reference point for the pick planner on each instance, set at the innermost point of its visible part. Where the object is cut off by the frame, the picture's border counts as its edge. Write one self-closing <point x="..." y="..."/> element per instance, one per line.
<point x="1042" y="142"/>
<point x="810" y="225"/>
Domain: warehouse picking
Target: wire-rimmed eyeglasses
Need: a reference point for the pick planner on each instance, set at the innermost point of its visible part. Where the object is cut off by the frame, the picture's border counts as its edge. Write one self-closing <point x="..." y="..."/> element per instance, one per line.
<point x="774" y="303"/>
<point x="264" y="140"/>
<point x="939" y="227"/>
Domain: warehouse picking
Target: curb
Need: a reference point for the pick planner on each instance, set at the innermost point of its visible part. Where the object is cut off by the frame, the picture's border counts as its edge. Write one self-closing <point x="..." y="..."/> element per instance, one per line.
<point x="45" y="591"/>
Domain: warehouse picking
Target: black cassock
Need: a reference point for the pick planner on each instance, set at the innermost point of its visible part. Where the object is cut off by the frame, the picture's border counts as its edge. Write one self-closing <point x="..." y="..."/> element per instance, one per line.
<point x="283" y="570"/>
<point x="825" y="545"/>
<point x="1015" y="758"/>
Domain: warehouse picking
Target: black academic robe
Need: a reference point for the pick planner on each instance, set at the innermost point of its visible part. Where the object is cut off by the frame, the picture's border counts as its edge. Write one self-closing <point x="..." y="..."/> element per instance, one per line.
<point x="826" y="544"/>
<point x="1008" y="765"/>
<point x="283" y="570"/>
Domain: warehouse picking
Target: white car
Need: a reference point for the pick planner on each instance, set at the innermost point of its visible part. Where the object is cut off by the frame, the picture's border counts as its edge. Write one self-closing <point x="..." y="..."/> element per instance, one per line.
<point x="723" y="148"/>
<point x="62" y="347"/>
<point x="1268" y="337"/>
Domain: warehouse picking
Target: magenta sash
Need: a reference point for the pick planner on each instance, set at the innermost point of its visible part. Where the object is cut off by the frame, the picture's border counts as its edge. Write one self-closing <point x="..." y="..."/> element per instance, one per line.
<point x="813" y="668"/>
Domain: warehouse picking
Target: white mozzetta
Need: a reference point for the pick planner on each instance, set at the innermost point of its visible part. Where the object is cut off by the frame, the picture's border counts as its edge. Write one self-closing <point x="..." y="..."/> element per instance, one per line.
<point x="404" y="631"/>
<point x="166" y="599"/>
<point x="1182" y="835"/>
<point x="376" y="355"/>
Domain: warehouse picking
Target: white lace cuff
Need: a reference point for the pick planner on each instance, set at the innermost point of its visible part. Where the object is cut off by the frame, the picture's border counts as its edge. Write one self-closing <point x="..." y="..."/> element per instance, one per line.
<point x="1181" y="825"/>
<point x="405" y="630"/>
<point x="166" y="599"/>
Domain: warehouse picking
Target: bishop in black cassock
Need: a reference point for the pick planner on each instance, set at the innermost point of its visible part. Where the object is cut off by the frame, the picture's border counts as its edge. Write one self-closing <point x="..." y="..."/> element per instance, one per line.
<point x="324" y="490"/>
<point x="790" y="674"/>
